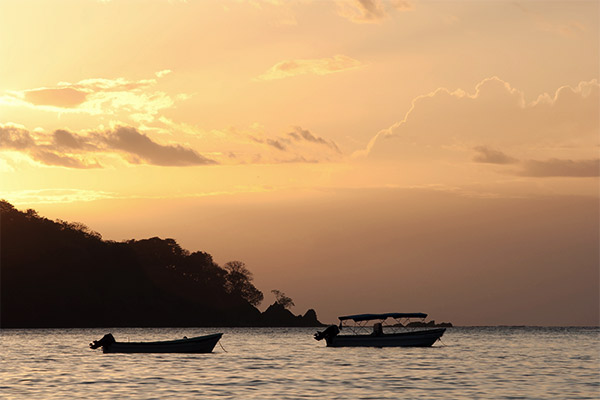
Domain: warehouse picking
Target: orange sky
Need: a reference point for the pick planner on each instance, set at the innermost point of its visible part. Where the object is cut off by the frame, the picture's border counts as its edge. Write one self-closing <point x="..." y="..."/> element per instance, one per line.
<point x="361" y="156"/>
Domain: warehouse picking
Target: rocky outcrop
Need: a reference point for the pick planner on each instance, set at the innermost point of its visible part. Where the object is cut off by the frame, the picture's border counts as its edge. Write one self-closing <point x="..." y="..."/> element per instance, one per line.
<point x="278" y="316"/>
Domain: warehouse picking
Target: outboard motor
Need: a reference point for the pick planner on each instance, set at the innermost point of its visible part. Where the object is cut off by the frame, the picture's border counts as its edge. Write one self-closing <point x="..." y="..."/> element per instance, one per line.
<point x="329" y="332"/>
<point x="106" y="340"/>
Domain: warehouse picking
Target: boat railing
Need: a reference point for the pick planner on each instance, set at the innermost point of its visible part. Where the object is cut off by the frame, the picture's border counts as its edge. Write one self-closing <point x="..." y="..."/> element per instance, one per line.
<point x="368" y="327"/>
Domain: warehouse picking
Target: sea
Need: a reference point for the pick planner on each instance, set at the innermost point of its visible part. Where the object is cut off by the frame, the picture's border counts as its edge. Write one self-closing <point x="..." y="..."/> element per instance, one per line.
<point x="287" y="363"/>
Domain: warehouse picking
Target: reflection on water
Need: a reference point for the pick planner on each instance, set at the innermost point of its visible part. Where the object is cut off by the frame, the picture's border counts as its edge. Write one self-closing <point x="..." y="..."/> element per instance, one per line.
<point x="281" y="363"/>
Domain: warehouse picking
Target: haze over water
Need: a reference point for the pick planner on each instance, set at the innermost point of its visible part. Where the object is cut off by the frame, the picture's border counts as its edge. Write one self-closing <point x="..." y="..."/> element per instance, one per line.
<point x="286" y="363"/>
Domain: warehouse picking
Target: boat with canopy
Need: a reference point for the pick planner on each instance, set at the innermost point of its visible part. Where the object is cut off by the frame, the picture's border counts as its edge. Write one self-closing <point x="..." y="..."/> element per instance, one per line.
<point x="397" y="334"/>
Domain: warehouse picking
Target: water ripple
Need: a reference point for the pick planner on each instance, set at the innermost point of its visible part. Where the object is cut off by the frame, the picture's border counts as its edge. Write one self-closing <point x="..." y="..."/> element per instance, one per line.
<point x="270" y="363"/>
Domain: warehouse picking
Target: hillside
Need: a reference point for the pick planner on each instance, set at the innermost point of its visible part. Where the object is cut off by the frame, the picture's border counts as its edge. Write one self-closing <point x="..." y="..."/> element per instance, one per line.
<point x="61" y="274"/>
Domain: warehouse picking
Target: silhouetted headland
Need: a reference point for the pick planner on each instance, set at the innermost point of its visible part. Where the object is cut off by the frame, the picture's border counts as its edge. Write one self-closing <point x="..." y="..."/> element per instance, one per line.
<point x="278" y="315"/>
<point x="61" y="274"/>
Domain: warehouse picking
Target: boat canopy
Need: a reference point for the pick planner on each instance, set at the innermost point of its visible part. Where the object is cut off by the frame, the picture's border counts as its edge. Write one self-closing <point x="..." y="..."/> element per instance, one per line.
<point x="369" y="317"/>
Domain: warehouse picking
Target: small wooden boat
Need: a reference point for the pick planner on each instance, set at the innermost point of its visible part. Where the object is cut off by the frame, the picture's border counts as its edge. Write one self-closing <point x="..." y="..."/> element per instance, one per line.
<point x="377" y="338"/>
<point x="200" y="344"/>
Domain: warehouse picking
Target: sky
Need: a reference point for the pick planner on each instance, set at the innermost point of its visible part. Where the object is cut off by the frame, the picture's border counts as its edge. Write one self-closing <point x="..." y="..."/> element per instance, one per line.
<point x="358" y="155"/>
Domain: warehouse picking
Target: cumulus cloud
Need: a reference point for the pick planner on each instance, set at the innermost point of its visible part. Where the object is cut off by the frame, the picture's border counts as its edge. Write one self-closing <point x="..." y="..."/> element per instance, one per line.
<point x="565" y="168"/>
<point x="447" y="125"/>
<point x="370" y="11"/>
<point x="320" y="66"/>
<point x="72" y="150"/>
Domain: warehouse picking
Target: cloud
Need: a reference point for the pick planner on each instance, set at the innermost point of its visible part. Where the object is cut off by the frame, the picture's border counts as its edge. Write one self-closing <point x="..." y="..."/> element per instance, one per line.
<point x="137" y="100"/>
<point x="565" y="168"/>
<point x="534" y="168"/>
<point x="19" y="139"/>
<point x="447" y="125"/>
<point x="321" y="66"/>
<point x="297" y="146"/>
<point x="275" y="143"/>
<point x="254" y="145"/>
<point x="15" y="138"/>
<point x="66" y="97"/>
<point x="162" y="73"/>
<point x="370" y="11"/>
<point x="490" y="156"/>
<point x="66" y="140"/>
<point x="71" y="150"/>
<point x="51" y="158"/>
<point x="300" y="134"/>
<point x="52" y="196"/>
<point x="113" y="85"/>
<point x="134" y="143"/>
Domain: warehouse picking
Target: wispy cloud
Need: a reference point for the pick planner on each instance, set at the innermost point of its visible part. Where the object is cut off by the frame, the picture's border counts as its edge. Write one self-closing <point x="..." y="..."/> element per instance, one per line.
<point x="565" y="168"/>
<point x="299" y="134"/>
<point x="162" y="73"/>
<point x="320" y="66"/>
<point x="297" y="146"/>
<point x="52" y="196"/>
<point x="491" y="156"/>
<point x="370" y="11"/>
<point x="553" y="167"/>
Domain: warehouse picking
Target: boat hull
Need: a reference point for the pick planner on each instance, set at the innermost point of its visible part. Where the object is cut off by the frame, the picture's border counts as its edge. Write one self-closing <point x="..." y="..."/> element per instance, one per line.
<point x="424" y="338"/>
<point x="201" y="344"/>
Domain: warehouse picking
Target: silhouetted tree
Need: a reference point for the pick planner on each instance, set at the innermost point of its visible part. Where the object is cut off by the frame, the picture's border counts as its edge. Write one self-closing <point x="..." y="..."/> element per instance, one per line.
<point x="158" y="253"/>
<point x="74" y="226"/>
<point x="200" y="268"/>
<point x="282" y="299"/>
<point x="239" y="282"/>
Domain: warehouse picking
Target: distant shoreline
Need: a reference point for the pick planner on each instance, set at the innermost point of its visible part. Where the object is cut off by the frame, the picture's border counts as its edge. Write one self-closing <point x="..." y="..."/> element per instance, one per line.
<point x="299" y="327"/>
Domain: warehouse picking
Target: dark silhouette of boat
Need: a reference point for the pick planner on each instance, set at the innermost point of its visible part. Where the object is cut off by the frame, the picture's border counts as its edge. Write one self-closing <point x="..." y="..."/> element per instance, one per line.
<point x="200" y="344"/>
<point x="360" y="337"/>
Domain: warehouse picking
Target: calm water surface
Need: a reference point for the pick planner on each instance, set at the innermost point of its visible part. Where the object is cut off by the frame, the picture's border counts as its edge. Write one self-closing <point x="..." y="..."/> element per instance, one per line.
<point x="280" y="363"/>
